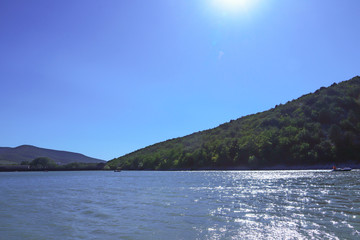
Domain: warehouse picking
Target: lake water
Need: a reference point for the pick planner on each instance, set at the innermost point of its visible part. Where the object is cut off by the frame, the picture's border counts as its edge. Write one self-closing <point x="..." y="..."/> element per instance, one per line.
<point x="180" y="205"/>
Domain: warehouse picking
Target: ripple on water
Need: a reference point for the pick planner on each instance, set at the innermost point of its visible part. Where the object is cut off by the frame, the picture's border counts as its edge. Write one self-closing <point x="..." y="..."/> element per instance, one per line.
<point x="181" y="205"/>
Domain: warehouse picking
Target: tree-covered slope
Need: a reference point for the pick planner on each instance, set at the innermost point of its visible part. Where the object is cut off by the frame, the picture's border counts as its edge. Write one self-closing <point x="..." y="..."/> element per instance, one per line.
<point x="29" y="153"/>
<point x="318" y="128"/>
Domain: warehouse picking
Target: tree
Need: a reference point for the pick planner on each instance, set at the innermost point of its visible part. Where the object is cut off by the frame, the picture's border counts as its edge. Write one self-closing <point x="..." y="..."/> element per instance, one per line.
<point x="42" y="163"/>
<point x="324" y="116"/>
<point x="335" y="134"/>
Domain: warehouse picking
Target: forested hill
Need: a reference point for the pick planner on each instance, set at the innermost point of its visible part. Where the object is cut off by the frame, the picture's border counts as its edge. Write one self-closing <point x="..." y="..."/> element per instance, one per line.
<point x="320" y="128"/>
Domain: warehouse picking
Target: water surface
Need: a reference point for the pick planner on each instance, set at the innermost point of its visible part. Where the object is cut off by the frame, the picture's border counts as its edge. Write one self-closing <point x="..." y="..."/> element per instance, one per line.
<point x="180" y="205"/>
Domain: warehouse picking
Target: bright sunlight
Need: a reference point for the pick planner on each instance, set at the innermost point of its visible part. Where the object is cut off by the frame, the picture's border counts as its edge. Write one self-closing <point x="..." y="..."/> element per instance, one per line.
<point x="235" y="5"/>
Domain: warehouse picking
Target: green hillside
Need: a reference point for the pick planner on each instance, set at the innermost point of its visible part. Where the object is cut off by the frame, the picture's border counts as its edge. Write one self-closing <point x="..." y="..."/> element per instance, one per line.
<point x="317" y="128"/>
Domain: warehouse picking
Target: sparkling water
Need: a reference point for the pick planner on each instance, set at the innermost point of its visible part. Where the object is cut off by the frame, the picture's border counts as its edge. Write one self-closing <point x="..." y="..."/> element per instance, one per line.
<point x="180" y="205"/>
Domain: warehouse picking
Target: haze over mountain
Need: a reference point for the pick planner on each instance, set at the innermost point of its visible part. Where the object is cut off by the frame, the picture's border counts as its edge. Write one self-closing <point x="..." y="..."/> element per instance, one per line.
<point x="28" y="153"/>
<point x="322" y="128"/>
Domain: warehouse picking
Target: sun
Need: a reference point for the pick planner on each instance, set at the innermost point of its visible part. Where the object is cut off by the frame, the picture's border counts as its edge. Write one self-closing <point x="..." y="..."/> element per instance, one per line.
<point x="234" y="5"/>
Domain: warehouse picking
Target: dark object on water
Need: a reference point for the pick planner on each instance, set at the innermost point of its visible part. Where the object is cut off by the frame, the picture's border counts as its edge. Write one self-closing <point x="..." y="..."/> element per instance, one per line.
<point x="341" y="169"/>
<point x="117" y="170"/>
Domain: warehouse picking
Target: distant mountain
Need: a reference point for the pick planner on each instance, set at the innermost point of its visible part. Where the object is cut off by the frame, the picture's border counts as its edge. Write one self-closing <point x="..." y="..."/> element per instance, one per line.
<point x="29" y="153"/>
<point x="318" y="129"/>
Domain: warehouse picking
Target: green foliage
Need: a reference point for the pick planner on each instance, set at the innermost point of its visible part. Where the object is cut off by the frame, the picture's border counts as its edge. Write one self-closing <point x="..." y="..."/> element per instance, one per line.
<point x="42" y="163"/>
<point x="82" y="166"/>
<point x="323" y="127"/>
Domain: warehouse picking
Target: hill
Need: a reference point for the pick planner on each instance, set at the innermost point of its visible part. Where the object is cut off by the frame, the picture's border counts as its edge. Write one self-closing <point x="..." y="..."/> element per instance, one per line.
<point x="28" y="153"/>
<point x="321" y="128"/>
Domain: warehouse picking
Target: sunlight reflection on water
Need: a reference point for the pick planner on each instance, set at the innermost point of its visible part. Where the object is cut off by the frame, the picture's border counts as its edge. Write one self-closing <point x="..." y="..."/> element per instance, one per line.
<point x="180" y="205"/>
<point x="282" y="205"/>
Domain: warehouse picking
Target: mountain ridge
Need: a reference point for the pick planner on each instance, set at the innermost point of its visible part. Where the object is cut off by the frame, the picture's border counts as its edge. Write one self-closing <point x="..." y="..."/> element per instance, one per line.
<point x="28" y="153"/>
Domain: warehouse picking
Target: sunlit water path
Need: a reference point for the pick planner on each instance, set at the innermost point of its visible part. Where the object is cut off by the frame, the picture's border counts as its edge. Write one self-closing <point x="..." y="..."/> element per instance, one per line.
<point x="180" y="205"/>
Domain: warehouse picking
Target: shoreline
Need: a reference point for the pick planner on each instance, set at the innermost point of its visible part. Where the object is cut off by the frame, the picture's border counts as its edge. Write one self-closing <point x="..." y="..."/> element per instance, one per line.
<point x="275" y="168"/>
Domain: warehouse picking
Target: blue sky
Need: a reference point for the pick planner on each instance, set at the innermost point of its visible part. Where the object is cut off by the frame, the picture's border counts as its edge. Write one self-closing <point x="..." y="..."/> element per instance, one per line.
<point x="105" y="78"/>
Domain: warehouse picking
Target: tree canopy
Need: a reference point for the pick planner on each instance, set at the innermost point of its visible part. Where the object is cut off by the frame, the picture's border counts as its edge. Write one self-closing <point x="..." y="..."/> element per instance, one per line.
<point x="42" y="163"/>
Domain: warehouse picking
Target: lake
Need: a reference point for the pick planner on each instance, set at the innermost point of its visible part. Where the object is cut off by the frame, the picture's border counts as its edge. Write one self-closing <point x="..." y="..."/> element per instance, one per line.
<point x="180" y="205"/>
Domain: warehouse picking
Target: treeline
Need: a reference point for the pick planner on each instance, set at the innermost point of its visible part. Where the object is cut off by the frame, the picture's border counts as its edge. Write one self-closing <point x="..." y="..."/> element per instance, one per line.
<point x="318" y="128"/>
<point x="47" y="164"/>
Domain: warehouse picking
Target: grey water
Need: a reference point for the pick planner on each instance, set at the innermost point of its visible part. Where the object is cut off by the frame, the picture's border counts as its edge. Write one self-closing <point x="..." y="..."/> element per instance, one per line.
<point x="180" y="205"/>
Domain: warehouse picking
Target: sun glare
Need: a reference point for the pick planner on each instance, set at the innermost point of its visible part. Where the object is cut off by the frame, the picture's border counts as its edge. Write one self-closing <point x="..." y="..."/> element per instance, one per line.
<point x="234" y="5"/>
